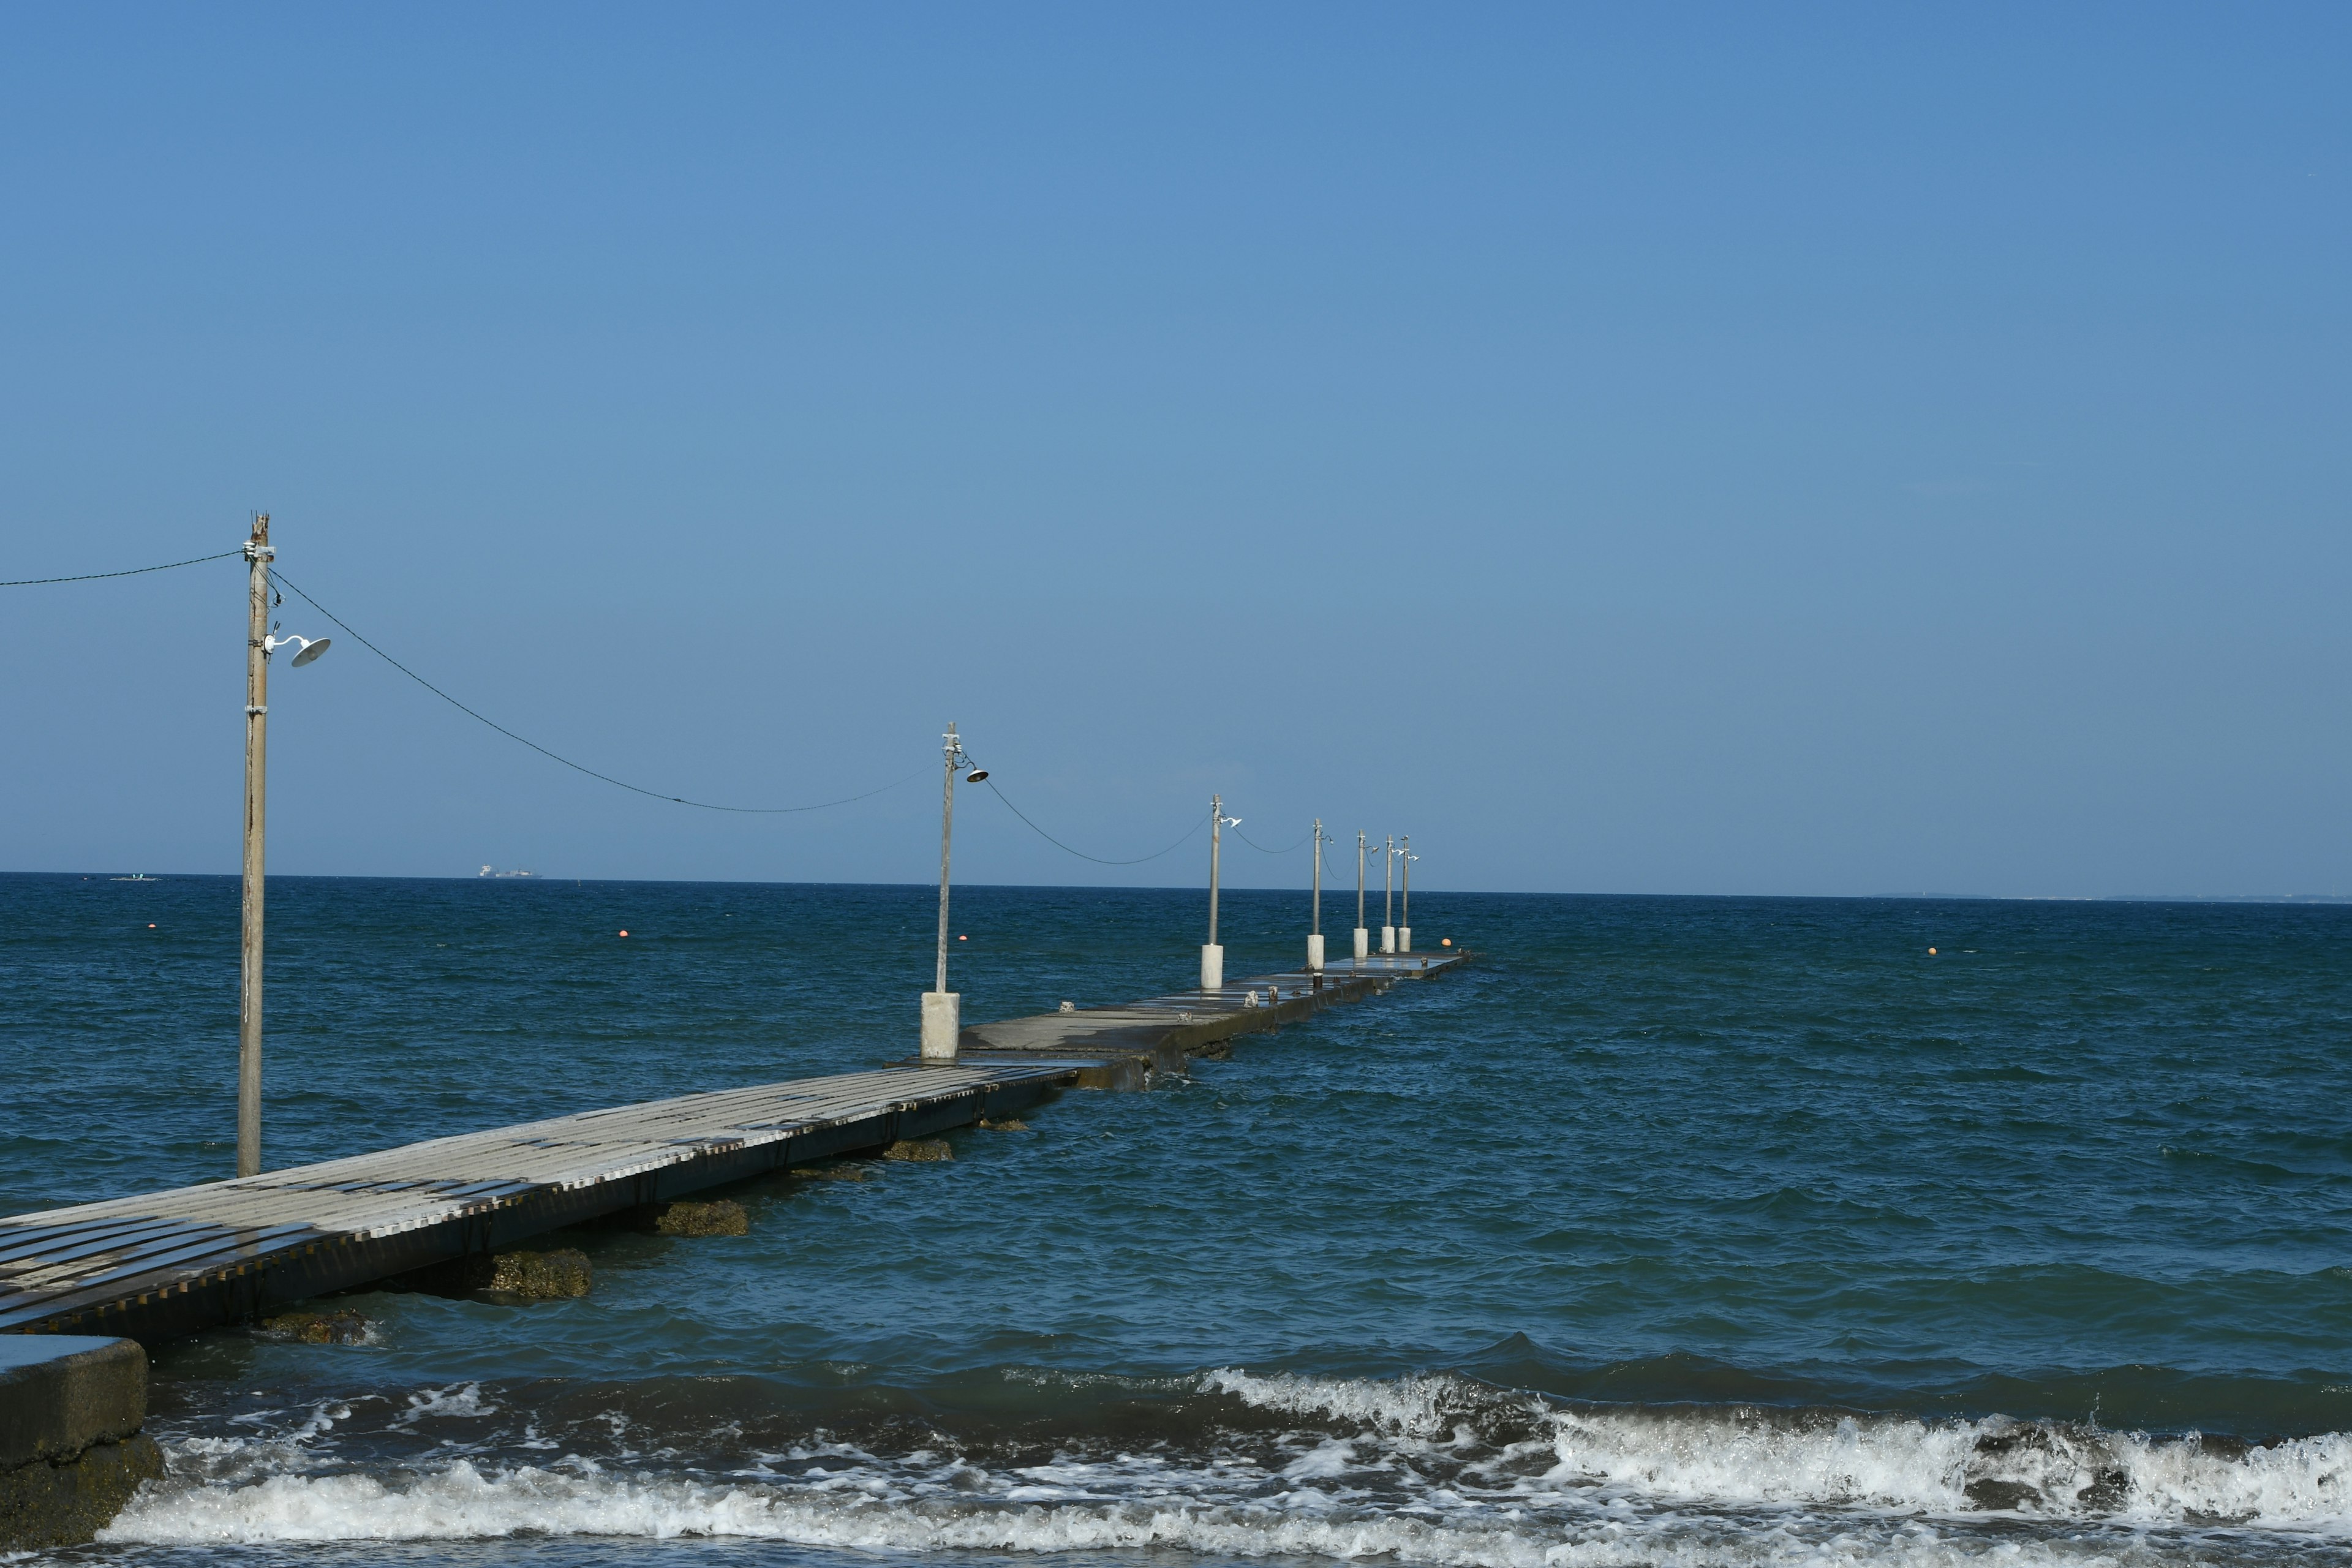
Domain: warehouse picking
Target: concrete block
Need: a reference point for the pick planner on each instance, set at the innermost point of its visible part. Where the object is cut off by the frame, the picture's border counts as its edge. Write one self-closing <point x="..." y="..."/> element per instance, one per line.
<point x="68" y="1502"/>
<point x="1404" y="939"/>
<point x="1388" y="938"/>
<point x="1315" y="953"/>
<point x="1213" y="967"/>
<point x="61" y="1393"/>
<point x="70" y="1452"/>
<point x="1363" y="942"/>
<point x="942" y="1023"/>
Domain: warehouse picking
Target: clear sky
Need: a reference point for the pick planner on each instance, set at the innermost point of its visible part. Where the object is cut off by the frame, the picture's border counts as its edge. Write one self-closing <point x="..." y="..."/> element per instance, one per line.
<point x="1698" y="448"/>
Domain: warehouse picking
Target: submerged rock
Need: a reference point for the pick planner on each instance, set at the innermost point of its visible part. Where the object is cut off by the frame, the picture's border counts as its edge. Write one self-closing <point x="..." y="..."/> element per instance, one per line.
<point x="342" y="1327"/>
<point x="919" y="1149"/>
<point x="830" y="1173"/>
<point x="540" y="1275"/>
<point x="1009" y="1124"/>
<point x="724" y="1216"/>
<point x="2003" y="1496"/>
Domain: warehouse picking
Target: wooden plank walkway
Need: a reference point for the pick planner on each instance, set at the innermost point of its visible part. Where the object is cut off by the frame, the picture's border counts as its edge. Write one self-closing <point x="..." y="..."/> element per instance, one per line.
<point x="165" y="1264"/>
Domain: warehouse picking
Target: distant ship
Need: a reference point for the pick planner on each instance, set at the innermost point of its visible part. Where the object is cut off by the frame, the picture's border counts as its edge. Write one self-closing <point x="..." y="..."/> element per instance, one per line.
<point x="485" y="871"/>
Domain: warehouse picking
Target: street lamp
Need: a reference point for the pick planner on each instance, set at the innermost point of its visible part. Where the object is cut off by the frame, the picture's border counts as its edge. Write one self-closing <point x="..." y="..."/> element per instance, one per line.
<point x="1405" y="931"/>
<point x="1388" y="900"/>
<point x="1212" y="957"/>
<point x="942" y="1008"/>
<point x="259" y="645"/>
<point x="1364" y="937"/>
<point x="1315" y="920"/>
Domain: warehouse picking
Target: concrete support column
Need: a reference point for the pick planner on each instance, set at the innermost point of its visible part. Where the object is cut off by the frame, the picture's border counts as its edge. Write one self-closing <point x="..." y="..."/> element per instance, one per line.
<point x="943" y="1022"/>
<point x="1213" y="967"/>
<point x="1363" y="942"/>
<point x="1404" y="939"/>
<point x="1315" y="952"/>
<point x="1388" y="938"/>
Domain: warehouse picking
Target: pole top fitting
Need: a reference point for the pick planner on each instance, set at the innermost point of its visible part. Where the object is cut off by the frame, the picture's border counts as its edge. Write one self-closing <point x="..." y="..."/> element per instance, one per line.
<point x="259" y="552"/>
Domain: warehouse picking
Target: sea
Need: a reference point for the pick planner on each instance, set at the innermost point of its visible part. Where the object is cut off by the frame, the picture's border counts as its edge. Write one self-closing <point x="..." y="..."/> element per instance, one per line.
<point x="1672" y="1231"/>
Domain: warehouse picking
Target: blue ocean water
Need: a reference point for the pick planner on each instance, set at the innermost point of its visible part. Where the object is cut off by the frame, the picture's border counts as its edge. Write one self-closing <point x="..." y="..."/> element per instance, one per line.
<point x="1671" y="1230"/>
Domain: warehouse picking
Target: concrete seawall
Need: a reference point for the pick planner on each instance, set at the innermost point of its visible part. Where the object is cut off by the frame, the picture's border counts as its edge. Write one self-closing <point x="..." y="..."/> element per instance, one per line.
<point x="72" y="1452"/>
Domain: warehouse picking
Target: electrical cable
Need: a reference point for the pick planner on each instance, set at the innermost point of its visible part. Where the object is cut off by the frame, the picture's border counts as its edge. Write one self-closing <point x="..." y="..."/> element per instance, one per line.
<point x="134" y="572"/>
<point x="276" y="576"/>
<point x="1263" y="850"/>
<point x="1080" y="853"/>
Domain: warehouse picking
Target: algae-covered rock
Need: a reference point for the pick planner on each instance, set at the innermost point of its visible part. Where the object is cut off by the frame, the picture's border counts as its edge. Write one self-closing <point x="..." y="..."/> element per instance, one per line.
<point x="1009" y="1124"/>
<point x="919" y="1149"/>
<point x="540" y="1275"/>
<point x="342" y="1327"/>
<point x="723" y="1216"/>
<point x="830" y="1173"/>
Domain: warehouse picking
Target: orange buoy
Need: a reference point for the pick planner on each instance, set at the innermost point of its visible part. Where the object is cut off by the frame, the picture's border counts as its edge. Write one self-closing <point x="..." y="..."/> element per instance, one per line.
<point x="150" y="925"/>
<point x="1446" y="942"/>
<point x="1931" y="953"/>
<point x="963" y="938"/>
<point x="624" y="933"/>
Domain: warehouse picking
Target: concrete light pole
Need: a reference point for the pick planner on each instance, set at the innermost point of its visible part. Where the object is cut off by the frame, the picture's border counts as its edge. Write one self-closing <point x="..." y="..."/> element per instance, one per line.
<point x="258" y="646"/>
<point x="1388" y="901"/>
<point x="1212" y="957"/>
<point x="1364" y="937"/>
<point x="1405" y="931"/>
<point x="943" y="1008"/>
<point x="1315" y="921"/>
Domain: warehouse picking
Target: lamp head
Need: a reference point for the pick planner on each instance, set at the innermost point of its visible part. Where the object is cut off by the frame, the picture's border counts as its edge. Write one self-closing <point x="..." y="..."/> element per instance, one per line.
<point x="306" y="648"/>
<point x="975" y="775"/>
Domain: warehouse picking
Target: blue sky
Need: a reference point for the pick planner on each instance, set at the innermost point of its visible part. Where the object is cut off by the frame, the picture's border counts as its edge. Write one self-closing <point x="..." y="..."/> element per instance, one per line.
<point x="1805" y="449"/>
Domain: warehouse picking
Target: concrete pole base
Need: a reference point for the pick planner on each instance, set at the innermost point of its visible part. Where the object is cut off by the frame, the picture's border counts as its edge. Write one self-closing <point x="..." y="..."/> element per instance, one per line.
<point x="1404" y="939"/>
<point x="1363" y="942"/>
<point x="1315" y="953"/>
<point x="1213" y="967"/>
<point x="943" y="1022"/>
<point x="1388" y="938"/>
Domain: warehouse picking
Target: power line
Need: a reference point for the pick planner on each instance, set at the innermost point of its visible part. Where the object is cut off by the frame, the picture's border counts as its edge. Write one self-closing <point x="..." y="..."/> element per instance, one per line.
<point x="607" y="778"/>
<point x="1080" y="853"/>
<point x="134" y="572"/>
<point x="1263" y="850"/>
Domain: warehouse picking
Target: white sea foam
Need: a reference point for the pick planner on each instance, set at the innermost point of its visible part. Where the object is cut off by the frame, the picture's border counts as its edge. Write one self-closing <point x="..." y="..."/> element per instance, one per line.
<point x="1431" y="1470"/>
<point x="464" y="1503"/>
<point x="1749" y="1457"/>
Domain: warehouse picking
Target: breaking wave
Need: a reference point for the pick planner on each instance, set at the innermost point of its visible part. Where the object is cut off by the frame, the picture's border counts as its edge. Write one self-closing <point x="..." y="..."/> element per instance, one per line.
<point x="1436" y="1469"/>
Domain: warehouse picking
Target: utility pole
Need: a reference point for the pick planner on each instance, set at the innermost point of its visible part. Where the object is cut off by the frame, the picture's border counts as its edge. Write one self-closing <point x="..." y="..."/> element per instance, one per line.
<point x="1315" y="920"/>
<point x="1405" y="931"/>
<point x="1388" y="900"/>
<point x="1364" y="937"/>
<point x="257" y="555"/>
<point x="942" y="1008"/>
<point x="1212" y="957"/>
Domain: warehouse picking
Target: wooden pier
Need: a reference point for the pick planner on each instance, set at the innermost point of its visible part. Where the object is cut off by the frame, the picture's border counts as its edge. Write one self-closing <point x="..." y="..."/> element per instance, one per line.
<point x="167" y="1264"/>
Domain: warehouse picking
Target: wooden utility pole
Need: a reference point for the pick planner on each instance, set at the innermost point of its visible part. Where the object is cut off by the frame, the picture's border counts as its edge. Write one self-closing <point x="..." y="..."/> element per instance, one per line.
<point x="257" y="768"/>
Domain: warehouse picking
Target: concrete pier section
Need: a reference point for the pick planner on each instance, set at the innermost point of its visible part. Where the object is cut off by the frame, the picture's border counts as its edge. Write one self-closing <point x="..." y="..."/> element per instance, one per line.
<point x="70" y="1449"/>
<point x="1161" y="1034"/>
<point x="165" y="1264"/>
